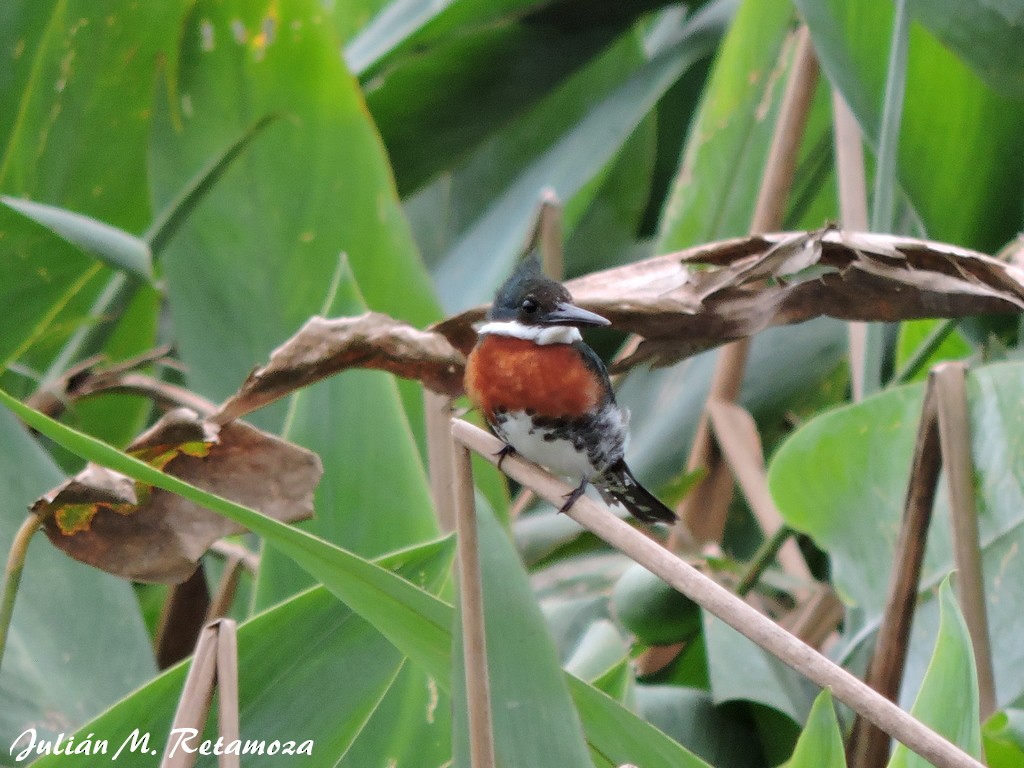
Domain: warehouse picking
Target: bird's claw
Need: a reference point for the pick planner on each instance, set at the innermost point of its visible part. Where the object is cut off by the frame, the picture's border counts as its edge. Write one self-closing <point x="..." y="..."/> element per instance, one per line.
<point x="572" y="496"/>
<point x="506" y="451"/>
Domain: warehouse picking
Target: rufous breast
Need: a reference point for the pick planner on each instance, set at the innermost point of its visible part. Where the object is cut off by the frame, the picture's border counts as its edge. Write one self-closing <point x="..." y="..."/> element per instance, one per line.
<point x="549" y="380"/>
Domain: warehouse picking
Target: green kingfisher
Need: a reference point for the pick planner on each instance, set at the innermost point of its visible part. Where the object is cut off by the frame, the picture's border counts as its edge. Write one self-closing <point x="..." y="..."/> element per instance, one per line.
<point x="547" y="396"/>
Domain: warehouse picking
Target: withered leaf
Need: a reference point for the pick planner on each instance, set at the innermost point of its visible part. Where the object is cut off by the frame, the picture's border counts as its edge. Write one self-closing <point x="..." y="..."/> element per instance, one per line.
<point x="678" y="304"/>
<point x="681" y="303"/>
<point x="107" y="520"/>
<point x="324" y="346"/>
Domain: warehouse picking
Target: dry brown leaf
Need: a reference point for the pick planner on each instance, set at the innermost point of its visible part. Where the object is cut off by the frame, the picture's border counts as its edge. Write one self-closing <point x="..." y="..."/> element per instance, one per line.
<point x="684" y="302"/>
<point x="324" y="346"/>
<point x="107" y="520"/>
<point x="679" y="304"/>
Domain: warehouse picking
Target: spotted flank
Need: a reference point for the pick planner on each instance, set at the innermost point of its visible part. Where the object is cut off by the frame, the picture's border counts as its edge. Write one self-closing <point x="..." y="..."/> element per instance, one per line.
<point x="576" y="448"/>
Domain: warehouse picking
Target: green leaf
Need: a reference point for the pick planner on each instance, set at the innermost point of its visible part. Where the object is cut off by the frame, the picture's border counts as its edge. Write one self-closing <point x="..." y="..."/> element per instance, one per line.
<point x="570" y="163"/>
<point x="985" y="35"/>
<point x="355" y="510"/>
<point x="616" y="736"/>
<point x="410" y="618"/>
<point x="80" y="104"/>
<point x="850" y="502"/>
<point x="821" y="743"/>
<point x="742" y="671"/>
<point x="42" y="274"/>
<point x="315" y="184"/>
<point x="472" y="69"/>
<point x="952" y="114"/>
<point x="948" y="698"/>
<point x="915" y="333"/>
<point x="284" y="654"/>
<point x="67" y="616"/>
<point x="729" y="139"/>
<point x="117" y="248"/>
<point x="176" y="213"/>
<point x="1003" y="736"/>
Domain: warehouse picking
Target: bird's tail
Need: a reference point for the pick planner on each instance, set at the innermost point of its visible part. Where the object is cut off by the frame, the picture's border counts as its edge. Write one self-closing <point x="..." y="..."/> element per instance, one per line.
<point x="617" y="484"/>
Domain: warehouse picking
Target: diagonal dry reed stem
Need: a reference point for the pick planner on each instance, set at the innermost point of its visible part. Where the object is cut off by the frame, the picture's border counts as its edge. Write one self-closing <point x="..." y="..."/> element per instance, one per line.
<point x="725" y="605"/>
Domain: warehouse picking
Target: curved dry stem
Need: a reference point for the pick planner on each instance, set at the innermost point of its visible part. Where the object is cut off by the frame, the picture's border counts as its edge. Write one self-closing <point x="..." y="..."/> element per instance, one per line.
<point x="12" y="574"/>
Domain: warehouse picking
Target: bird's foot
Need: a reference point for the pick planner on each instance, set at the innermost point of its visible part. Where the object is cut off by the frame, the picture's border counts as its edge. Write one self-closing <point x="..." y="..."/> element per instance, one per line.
<point x="570" y="498"/>
<point x="506" y="451"/>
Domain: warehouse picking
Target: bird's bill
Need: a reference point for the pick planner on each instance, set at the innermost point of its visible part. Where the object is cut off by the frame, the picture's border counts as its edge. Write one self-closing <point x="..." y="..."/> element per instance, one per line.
<point x="569" y="314"/>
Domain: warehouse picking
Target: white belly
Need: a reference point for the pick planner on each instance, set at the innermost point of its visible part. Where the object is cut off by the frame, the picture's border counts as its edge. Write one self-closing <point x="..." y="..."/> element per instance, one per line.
<point x="560" y="456"/>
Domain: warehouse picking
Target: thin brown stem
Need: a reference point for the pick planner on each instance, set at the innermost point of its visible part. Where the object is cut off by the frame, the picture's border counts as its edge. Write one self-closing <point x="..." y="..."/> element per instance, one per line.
<point x="474" y="633"/>
<point x="869" y="745"/>
<point x="740" y="443"/>
<point x="728" y="607"/>
<point x="955" y="438"/>
<point x="437" y="412"/>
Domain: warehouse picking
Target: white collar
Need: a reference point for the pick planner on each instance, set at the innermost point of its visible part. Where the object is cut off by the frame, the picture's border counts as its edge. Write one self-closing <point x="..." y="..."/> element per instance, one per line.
<point x="538" y="334"/>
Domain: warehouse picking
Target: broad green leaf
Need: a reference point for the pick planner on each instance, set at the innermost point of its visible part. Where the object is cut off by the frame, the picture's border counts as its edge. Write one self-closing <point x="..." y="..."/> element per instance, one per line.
<point x="523" y="667"/>
<point x="252" y="262"/>
<point x="690" y="717"/>
<point x="285" y="655"/>
<point x="947" y="701"/>
<point x="851" y="505"/>
<point x="715" y="190"/>
<point x="119" y="249"/>
<point x="821" y="743"/>
<point x="410" y="618"/>
<point x="411" y="725"/>
<point x="443" y="211"/>
<point x="914" y="333"/>
<point x="949" y="113"/>
<point x="81" y="104"/>
<point x="67" y="616"/>
<point x="985" y="35"/>
<point x="344" y="420"/>
<point x="474" y="68"/>
<point x="572" y="162"/>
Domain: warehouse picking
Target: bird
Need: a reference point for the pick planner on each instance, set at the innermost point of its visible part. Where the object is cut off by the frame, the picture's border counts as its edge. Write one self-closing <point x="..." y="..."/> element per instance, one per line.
<point x="546" y="394"/>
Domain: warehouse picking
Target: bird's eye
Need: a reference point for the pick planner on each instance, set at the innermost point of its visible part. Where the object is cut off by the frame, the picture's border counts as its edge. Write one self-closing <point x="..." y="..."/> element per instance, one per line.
<point x="529" y="306"/>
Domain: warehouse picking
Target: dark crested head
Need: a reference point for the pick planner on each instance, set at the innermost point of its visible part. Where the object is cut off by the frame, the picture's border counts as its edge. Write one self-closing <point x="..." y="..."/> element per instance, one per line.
<point x="532" y="298"/>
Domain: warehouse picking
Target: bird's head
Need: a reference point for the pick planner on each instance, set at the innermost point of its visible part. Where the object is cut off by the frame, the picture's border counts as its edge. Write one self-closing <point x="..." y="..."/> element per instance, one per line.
<point x="530" y="298"/>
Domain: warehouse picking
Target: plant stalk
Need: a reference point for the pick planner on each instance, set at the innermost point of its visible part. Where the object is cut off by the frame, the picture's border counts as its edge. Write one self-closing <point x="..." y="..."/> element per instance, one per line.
<point x="726" y="606"/>
<point x="12" y="575"/>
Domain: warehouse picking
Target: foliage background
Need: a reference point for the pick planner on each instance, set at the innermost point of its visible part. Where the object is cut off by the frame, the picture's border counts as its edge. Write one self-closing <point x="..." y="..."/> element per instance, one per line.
<point x="413" y="138"/>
